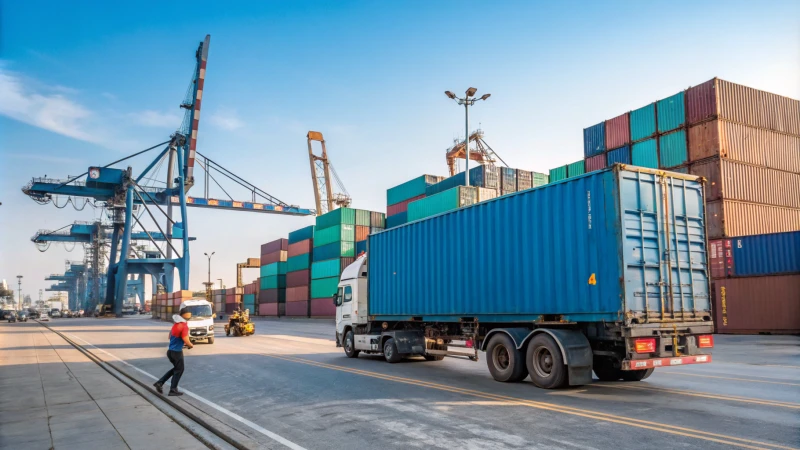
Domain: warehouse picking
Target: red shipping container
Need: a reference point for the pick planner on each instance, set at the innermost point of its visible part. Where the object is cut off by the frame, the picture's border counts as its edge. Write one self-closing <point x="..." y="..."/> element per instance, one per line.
<point x="300" y="248"/>
<point x="361" y="233"/>
<point x="230" y="308"/>
<point x="298" y="294"/>
<point x="322" y="307"/>
<point x="297" y="309"/>
<point x="298" y="278"/>
<point x="230" y="298"/>
<point x="618" y="132"/>
<point x="274" y="246"/>
<point x="721" y="258"/>
<point x="269" y="309"/>
<point x="401" y="207"/>
<point x="754" y="305"/>
<point x="269" y="258"/>
<point x="596" y="162"/>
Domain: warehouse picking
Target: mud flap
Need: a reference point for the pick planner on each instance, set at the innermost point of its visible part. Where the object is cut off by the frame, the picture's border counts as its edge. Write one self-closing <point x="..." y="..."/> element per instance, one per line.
<point x="577" y="353"/>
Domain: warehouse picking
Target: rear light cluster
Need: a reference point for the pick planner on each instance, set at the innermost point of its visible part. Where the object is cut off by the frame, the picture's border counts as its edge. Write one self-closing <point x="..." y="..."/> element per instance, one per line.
<point x="705" y="341"/>
<point x="645" y="345"/>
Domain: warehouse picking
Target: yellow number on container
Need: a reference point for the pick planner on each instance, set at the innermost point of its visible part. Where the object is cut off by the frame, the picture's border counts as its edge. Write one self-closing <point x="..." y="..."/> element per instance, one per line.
<point x="592" y="280"/>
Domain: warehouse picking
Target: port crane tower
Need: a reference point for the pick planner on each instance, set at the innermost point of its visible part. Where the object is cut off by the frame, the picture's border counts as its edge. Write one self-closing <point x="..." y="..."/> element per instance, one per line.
<point x="122" y="193"/>
<point x="482" y="153"/>
<point x="321" y="169"/>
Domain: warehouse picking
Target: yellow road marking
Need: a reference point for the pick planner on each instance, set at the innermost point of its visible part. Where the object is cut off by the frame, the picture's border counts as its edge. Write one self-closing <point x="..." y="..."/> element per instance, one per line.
<point x="671" y="429"/>
<point x="734" y="398"/>
<point x="665" y="372"/>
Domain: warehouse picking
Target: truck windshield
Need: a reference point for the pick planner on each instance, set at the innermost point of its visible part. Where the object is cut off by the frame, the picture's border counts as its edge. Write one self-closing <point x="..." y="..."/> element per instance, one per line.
<point x="200" y="310"/>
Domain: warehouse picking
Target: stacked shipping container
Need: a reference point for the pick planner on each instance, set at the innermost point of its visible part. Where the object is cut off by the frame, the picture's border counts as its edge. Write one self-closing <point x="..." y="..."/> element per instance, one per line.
<point x="398" y="198"/>
<point x="298" y="272"/>
<point x="218" y="299"/>
<point x="272" y="283"/>
<point x="233" y="298"/>
<point x="334" y="249"/>
<point x="249" y="297"/>
<point x="166" y="304"/>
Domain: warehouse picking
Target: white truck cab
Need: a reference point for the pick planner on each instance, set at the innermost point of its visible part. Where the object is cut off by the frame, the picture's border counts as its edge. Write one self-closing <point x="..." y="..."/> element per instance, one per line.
<point x="351" y="298"/>
<point x="201" y="325"/>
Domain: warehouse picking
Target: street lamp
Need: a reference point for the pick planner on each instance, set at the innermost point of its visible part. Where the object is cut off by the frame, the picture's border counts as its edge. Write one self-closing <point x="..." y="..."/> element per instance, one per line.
<point x="209" y="264"/>
<point x="19" y="292"/>
<point x="467" y="101"/>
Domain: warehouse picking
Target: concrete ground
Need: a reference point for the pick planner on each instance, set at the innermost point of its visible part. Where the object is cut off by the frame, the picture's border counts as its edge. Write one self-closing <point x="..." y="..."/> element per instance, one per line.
<point x="289" y="386"/>
<point x="54" y="397"/>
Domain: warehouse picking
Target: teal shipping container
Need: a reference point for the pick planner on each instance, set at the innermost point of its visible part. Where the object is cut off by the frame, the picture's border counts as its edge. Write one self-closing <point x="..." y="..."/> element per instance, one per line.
<point x="336" y="233"/>
<point x="539" y="179"/>
<point x="324" y="287"/>
<point x="341" y="249"/>
<point x="362" y="218"/>
<point x="272" y="282"/>
<point x="672" y="149"/>
<point x="326" y="269"/>
<point x="448" y="200"/>
<point x="276" y="268"/>
<point x="645" y="154"/>
<point x="643" y="122"/>
<point x="558" y="174"/>
<point x="299" y="262"/>
<point x="396" y="219"/>
<point x="410" y="189"/>
<point x="671" y="113"/>
<point x="336" y="217"/>
<point x="302" y="234"/>
<point x="575" y="169"/>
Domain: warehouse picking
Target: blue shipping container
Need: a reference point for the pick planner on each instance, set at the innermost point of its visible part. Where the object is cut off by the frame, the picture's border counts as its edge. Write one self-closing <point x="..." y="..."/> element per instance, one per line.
<point x="598" y="258"/>
<point x="620" y="155"/>
<point x="766" y="254"/>
<point x="594" y="140"/>
<point x="645" y="154"/>
<point x="643" y="122"/>
<point x="302" y="234"/>
<point x="361" y="247"/>
<point x="396" y="220"/>
<point x="672" y="149"/>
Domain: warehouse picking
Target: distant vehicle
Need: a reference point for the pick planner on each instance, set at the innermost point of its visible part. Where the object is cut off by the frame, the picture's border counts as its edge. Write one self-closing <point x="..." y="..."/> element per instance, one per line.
<point x="128" y="310"/>
<point x="102" y="310"/>
<point x="55" y="313"/>
<point x="66" y="313"/>
<point x="22" y="316"/>
<point x="43" y="317"/>
<point x="78" y="313"/>
<point x="201" y="325"/>
<point x="33" y="313"/>
<point x="10" y="315"/>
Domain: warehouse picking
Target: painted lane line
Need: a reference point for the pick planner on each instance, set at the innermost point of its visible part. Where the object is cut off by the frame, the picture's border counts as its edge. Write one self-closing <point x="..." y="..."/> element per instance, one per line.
<point x="665" y="372"/>
<point x="733" y="398"/>
<point x="671" y="429"/>
<point x="275" y="437"/>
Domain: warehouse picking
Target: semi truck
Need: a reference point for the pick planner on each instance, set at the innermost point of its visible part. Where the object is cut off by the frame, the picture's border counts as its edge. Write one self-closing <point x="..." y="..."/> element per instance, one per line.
<point x="606" y="272"/>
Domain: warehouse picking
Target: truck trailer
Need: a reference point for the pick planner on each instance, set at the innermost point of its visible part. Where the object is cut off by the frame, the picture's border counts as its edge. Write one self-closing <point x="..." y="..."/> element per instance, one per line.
<point x="604" y="272"/>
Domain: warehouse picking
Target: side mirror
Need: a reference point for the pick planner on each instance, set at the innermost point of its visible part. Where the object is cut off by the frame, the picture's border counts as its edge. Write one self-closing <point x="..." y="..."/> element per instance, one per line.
<point x="336" y="300"/>
<point x="214" y="315"/>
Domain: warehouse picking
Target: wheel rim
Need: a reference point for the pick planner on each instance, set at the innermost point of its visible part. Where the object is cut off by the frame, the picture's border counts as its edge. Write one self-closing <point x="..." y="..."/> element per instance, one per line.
<point x="348" y="344"/>
<point x="501" y="357"/>
<point x="543" y="362"/>
<point x="387" y="350"/>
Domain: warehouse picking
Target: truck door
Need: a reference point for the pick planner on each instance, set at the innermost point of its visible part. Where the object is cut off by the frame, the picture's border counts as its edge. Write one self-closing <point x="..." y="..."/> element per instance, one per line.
<point x="345" y="308"/>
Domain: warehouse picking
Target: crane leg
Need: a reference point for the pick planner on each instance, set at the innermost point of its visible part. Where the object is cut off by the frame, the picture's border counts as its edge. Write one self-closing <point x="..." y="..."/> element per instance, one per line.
<point x="122" y="267"/>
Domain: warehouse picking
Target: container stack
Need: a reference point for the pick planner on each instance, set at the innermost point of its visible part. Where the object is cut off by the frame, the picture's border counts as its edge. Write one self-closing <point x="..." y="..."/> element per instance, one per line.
<point x="448" y="200"/>
<point x="162" y="306"/>
<point x="218" y="298"/>
<point x="755" y="283"/>
<point x="233" y="299"/>
<point x="249" y="297"/>
<point x="298" y="272"/>
<point x="334" y="248"/>
<point x="487" y="177"/>
<point x="528" y="180"/>
<point x="272" y="281"/>
<point x="398" y="198"/>
<point x="377" y="222"/>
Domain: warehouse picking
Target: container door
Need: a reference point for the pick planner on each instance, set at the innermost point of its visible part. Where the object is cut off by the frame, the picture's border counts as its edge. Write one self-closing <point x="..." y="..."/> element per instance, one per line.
<point x="664" y="247"/>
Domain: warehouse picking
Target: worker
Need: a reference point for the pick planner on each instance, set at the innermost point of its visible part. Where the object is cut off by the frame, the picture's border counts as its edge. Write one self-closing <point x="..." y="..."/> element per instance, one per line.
<point x="178" y="337"/>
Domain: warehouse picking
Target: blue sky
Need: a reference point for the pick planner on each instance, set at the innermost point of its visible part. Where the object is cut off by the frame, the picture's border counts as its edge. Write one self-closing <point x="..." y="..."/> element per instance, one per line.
<point x="84" y="83"/>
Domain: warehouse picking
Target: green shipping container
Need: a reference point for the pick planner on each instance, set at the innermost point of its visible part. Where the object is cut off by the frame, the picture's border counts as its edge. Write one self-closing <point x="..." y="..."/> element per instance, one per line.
<point x="442" y="202"/>
<point x="558" y="174"/>
<point x="643" y="122"/>
<point x="410" y="189"/>
<point x="336" y="233"/>
<point x="273" y="282"/>
<point x="276" y="268"/>
<point x="671" y="113"/>
<point x="249" y="299"/>
<point x="645" y="154"/>
<point x="299" y="262"/>
<point x="575" y="169"/>
<point x="325" y="269"/>
<point x="539" y="179"/>
<point x="672" y="149"/>
<point x="302" y="234"/>
<point x="324" y="287"/>
<point x="362" y="218"/>
<point x="336" y="217"/>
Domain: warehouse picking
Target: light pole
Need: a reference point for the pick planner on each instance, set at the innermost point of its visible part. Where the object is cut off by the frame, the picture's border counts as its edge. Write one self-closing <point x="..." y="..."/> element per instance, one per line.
<point x="221" y="286"/>
<point x="19" y="292"/>
<point x="467" y="101"/>
<point x="209" y="264"/>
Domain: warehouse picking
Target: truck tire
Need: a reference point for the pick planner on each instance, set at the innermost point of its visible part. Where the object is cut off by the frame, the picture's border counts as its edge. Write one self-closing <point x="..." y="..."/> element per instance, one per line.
<point x="349" y="345"/>
<point x="605" y="370"/>
<point x="636" y="375"/>
<point x="505" y="362"/>
<point x="211" y="340"/>
<point x="390" y="351"/>
<point x="545" y="363"/>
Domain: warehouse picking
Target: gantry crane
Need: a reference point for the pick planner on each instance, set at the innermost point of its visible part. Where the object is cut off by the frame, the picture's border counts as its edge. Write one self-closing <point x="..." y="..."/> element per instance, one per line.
<point x="321" y="169"/>
<point x="482" y="153"/>
<point x="251" y="263"/>
<point x="119" y="191"/>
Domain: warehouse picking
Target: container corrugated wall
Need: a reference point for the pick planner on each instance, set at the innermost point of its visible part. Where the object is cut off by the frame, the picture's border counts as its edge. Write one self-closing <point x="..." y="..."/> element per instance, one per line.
<point x="594" y="140"/>
<point x="762" y="109"/>
<point x="541" y="263"/>
<point x="731" y="218"/>
<point x="575" y="169"/>
<point x="557" y="174"/>
<point x="618" y="131"/>
<point x="757" y="305"/>
<point x="457" y="197"/>
<point x="596" y="162"/>
<point x="643" y="122"/>
<point x="739" y="181"/>
<point x="409" y="189"/>
<point x="645" y="154"/>
<point x="671" y="113"/>
<point x="701" y="102"/>
<point x="766" y="254"/>
<point x="620" y="155"/>
<point x="672" y="149"/>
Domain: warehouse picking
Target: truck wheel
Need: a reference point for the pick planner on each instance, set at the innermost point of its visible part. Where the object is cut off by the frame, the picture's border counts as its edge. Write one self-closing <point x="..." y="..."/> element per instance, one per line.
<point x="505" y="362"/>
<point x="211" y="340"/>
<point x="390" y="351"/>
<point x="605" y="370"/>
<point x="636" y="375"/>
<point x="545" y="363"/>
<point x="349" y="345"/>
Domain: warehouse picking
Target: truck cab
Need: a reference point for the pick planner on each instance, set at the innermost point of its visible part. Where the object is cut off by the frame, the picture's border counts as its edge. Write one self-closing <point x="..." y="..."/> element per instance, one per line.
<point x="351" y="298"/>
<point x="201" y="324"/>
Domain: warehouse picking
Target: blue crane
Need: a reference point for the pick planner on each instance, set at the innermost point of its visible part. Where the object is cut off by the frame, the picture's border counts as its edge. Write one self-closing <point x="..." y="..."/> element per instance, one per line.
<point x="125" y="195"/>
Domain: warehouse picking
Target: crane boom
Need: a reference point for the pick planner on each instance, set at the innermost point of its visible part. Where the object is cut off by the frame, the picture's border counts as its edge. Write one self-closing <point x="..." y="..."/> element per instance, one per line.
<point x="194" y="109"/>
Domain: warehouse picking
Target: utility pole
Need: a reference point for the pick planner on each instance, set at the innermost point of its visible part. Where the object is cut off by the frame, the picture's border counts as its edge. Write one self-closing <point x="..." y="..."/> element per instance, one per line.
<point x="209" y="265"/>
<point x="467" y="101"/>
<point x="19" y="292"/>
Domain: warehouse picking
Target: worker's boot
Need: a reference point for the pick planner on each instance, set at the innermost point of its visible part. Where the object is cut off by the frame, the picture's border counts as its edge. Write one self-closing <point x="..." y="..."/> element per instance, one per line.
<point x="159" y="387"/>
<point x="174" y="393"/>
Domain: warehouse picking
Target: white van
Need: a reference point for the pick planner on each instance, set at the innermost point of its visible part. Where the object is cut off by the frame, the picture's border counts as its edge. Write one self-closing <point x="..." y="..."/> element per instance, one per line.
<point x="201" y="325"/>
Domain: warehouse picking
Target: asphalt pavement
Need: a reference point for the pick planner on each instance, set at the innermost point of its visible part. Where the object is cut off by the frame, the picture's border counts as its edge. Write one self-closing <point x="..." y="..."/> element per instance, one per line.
<point x="288" y="386"/>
